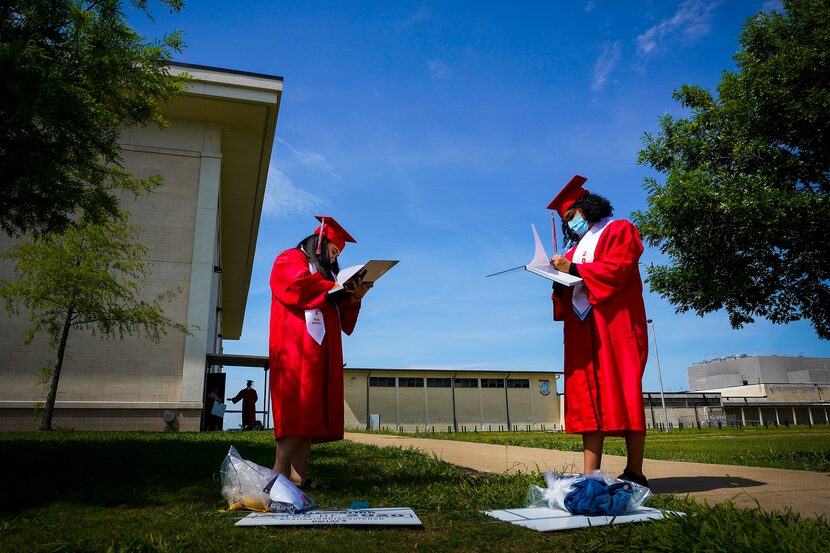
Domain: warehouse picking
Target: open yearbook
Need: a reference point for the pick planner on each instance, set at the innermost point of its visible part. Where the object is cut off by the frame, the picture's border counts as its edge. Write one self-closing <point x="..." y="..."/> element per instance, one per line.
<point x="540" y="265"/>
<point x="369" y="271"/>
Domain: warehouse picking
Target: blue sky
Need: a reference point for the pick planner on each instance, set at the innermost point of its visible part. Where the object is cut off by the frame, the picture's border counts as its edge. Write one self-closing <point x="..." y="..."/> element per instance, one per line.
<point x="437" y="132"/>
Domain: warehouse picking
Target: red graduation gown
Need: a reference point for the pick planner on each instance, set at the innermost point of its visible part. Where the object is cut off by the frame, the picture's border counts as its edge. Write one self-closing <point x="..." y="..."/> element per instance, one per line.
<point x="306" y="377"/>
<point x="605" y="355"/>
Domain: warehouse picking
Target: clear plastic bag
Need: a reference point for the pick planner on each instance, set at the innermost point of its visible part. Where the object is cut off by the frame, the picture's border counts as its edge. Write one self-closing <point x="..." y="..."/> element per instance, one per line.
<point x="285" y="497"/>
<point x="559" y="486"/>
<point x="246" y="485"/>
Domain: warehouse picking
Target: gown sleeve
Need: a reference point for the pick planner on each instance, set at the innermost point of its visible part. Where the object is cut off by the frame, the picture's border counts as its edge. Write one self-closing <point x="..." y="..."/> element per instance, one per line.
<point x="621" y="252"/>
<point x="293" y="284"/>
<point x="348" y="314"/>
<point x="558" y="299"/>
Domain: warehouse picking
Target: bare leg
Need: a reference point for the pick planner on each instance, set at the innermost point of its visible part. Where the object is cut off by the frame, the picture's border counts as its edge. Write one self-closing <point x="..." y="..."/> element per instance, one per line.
<point x="299" y="462"/>
<point x="592" y="450"/>
<point x="287" y="447"/>
<point x="635" y="446"/>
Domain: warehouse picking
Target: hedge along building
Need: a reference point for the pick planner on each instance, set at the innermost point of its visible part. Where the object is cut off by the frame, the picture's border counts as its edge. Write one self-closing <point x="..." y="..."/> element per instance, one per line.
<point x="200" y="228"/>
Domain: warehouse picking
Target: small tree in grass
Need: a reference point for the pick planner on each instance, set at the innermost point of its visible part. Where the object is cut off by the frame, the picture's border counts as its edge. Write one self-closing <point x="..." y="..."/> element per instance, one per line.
<point x="90" y="277"/>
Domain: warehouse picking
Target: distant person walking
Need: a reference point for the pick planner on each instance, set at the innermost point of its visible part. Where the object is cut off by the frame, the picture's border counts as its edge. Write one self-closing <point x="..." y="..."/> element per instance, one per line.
<point x="249" y="398"/>
<point x="606" y="341"/>
<point x="305" y="346"/>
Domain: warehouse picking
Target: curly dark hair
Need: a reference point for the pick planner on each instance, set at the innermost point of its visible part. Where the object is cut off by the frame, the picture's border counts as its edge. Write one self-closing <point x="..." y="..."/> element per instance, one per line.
<point x="309" y="246"/>
<point x="594" y="209"/>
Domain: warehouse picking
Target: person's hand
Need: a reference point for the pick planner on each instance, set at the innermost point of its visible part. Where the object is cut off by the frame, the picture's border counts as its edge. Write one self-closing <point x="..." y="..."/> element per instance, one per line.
<point x="560" y="263"/>
<point x="358" y="289"/>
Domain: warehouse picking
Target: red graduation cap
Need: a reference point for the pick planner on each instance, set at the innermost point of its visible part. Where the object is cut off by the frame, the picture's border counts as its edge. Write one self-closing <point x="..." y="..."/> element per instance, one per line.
<point x="570" y="193"/>
<point x="332" y="230"/>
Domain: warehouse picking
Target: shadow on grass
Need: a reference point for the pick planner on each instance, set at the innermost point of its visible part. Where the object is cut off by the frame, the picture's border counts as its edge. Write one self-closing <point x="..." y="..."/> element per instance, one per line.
<point x="109" y="471"/>
<point x="141" y="470"/>
<point x="691" y="484"/>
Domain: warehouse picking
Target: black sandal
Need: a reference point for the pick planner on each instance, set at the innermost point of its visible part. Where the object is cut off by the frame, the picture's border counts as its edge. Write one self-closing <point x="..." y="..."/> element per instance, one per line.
<point x="310" y="484"/>
<point x="632" y="476"/>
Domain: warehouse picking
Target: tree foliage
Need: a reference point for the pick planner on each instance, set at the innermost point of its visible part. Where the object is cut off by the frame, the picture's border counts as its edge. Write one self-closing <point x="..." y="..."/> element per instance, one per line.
<point x="74" y="74"/>
<point x="89" y="277"/>
<point x="744" y="210"/>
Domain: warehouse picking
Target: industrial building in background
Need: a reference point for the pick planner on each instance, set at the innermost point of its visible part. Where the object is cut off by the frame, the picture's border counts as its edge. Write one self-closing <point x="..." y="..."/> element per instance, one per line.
<point x="767" y="389"/>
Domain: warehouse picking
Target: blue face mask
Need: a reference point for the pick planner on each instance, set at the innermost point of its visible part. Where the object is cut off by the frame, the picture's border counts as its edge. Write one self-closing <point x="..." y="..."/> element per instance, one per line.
<point x="578" y="225"/>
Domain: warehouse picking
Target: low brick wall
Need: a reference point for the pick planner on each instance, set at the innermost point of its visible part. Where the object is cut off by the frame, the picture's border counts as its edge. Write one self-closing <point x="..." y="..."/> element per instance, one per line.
<point x="150" y="420"/>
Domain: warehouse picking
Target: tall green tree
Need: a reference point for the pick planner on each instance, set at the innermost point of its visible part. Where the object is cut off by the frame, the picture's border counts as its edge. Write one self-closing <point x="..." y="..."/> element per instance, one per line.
<point x="89" y="277"/>
<point x="74" y="74"/>
<point x="743" y="214"/>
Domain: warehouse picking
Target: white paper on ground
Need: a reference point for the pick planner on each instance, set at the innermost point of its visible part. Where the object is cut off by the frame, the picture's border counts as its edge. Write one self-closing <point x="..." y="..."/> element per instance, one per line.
<point x="393" y="516"/>
<point x="545" y="519"/>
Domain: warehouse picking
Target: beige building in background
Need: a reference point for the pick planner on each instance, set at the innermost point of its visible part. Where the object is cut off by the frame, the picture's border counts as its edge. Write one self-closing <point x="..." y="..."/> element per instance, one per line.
<point x="200" y="228"/>
<point x="425" y="399"/>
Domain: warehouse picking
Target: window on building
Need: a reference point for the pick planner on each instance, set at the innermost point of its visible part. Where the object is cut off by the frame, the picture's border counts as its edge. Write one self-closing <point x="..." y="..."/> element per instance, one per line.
<point x="492" y="383"/>
<point x="382" y="381"/>
<point x="407" y="382"/>
<point x="466" y="383"/>
<point x="518" y="383"/>
<point x="439" y="383"/>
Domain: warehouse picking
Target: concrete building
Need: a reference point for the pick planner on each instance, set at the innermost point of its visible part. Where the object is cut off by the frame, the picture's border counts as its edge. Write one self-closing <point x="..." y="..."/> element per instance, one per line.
<point x="756" y="371"/>
<point x="682" y="410"/>
<point x="769" y="389"/>
<point x="423" y="399"/>
<point x="200" y="228"/>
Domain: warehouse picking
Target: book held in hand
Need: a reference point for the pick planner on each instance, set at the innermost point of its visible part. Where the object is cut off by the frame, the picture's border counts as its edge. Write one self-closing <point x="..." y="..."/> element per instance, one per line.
<point x="540" y="265"/>
<point x="369" y="272"/>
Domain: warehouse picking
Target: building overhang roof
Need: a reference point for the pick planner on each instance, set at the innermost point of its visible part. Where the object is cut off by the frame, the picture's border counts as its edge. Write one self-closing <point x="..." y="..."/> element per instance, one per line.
<point x="245" y="106"/>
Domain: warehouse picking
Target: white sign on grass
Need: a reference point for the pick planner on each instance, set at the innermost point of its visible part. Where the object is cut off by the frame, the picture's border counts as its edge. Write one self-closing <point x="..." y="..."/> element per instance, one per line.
<point x="545" y="519"/>
<point x="393" y="516"/>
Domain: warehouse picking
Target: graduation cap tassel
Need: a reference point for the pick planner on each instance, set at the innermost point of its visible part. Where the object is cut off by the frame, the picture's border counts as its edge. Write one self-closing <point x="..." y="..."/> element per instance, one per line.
<point x="553" y="228"/>
<point x="320" y="236"/>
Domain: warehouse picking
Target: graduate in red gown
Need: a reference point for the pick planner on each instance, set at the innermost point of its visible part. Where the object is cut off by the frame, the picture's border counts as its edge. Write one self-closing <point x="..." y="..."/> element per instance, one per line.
<point x="305" y="348"/>
<point x="606" y="342"/>
<point x="249" y="398"/>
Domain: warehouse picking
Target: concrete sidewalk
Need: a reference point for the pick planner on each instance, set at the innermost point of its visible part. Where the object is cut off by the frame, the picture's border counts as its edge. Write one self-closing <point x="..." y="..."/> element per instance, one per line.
<point x="804" y="492"/>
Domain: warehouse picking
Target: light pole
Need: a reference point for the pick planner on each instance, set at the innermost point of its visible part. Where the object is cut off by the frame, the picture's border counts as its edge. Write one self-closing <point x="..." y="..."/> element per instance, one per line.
<point x="659" y="373"/>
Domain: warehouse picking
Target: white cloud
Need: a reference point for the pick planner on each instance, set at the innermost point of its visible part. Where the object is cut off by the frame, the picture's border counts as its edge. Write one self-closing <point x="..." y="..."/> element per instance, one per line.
<point x="692" y="20"/>
<point x="590" y="5"/>
<point x="605" y="64"/>
<point x="438" y="70"/>
<point x="284" y="198"/>
<point x="310" y="159"/>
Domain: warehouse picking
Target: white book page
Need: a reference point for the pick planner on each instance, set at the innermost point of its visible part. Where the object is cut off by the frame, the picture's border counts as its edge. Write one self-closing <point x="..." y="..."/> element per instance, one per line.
<point x="375" y="269"/>
<point x="540" y="265"/>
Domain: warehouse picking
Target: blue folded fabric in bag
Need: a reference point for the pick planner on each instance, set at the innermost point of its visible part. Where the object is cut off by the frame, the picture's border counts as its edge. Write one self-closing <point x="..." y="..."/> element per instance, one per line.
<point x="594" y="497"/>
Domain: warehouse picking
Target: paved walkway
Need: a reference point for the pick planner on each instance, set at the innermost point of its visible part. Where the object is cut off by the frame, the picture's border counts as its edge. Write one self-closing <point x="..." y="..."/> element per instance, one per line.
<point x="804" y="492"/>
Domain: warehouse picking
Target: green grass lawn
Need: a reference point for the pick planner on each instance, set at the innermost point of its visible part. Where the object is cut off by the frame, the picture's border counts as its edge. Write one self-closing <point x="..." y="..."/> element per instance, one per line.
<point x="87" y="491"/>
<point x="798" y="448"/>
